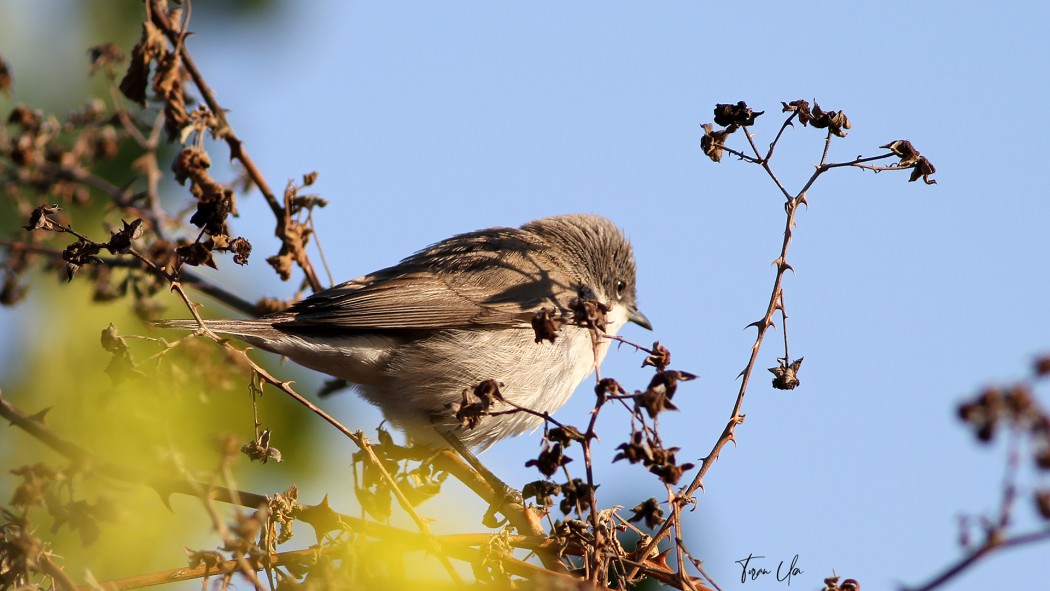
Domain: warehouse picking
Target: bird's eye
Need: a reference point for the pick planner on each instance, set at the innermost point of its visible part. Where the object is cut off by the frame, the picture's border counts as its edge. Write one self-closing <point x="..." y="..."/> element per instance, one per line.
<point x="620" y="288"/>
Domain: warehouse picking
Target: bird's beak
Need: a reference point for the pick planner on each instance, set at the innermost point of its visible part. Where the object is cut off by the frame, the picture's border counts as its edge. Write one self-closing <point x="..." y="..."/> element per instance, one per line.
<point x="635" y="315"/>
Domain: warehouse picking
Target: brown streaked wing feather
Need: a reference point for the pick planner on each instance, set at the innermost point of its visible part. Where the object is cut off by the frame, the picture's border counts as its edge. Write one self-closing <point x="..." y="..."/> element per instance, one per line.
<point x="489" y="296"/>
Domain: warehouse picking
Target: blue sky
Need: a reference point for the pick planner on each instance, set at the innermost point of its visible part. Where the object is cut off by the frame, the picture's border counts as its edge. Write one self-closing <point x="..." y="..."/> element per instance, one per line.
<point x="425" y="119"/>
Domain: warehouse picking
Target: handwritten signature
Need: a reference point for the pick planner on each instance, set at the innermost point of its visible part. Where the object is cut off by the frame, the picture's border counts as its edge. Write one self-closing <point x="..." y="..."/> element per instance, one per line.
<point x="751" y="569"/>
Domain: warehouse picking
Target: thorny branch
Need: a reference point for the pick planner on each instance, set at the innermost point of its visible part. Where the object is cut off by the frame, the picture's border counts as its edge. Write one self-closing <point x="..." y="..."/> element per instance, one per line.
<point x="288" y="230"/>
<point x="740" y="116"/>
<point x="320" y="516"/>
<point x="1015" y="409"/>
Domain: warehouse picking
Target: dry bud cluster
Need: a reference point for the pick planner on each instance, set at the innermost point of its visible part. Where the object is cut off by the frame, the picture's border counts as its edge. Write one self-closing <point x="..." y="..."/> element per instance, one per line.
<point x="1017" y="410"/>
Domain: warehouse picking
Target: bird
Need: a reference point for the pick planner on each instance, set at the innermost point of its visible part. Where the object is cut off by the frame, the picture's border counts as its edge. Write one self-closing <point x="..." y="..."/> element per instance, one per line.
<point x="416" y="338"/>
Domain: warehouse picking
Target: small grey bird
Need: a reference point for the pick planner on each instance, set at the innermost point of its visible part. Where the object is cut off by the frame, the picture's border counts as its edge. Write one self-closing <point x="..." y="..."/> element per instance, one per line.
<point x="414" y="336"/>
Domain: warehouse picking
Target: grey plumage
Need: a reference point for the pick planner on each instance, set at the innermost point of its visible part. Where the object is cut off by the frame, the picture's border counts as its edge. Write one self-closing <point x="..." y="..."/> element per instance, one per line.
<point x="413" y="336"/>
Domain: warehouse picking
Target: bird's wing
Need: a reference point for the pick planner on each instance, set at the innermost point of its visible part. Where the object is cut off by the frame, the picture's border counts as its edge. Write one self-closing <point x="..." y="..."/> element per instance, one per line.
<point x="476" y="281"/>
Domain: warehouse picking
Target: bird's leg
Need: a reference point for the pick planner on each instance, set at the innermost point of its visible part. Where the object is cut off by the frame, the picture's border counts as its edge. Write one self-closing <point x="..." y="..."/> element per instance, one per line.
<point x="502" y="493"/>
<point x="465" y="466"/>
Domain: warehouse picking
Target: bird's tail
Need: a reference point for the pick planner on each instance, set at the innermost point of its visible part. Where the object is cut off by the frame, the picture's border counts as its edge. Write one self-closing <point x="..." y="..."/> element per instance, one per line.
<point x="258" y="329"/>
